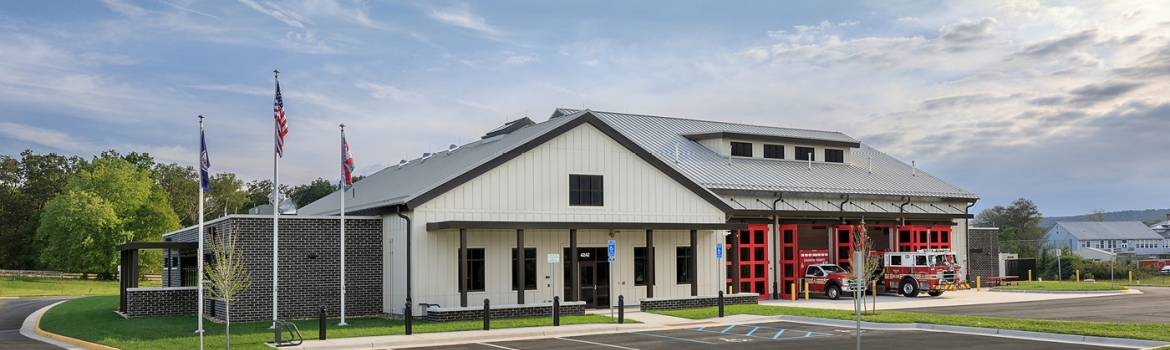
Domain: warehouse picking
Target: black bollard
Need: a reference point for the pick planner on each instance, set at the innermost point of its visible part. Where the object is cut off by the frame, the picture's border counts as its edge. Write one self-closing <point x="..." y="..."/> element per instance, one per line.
<point x="321" y="325"/>
<point x="621" y="309"/>
<point x="487" y="314"/>
<point x="276" y="330"/>
<point x="408" y="315"/>
<point x="556" y="311"/>
<point x="720" y="303"/>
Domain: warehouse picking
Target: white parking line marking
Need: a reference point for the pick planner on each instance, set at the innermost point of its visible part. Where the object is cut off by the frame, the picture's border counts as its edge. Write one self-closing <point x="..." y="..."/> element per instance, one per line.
<point x="602" y="344"/>
<point x="497" y="346"/>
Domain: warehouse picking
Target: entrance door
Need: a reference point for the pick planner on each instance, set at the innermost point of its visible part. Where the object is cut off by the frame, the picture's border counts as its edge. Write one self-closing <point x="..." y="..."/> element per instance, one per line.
<point x="593" y="270"/>
<point x="789" y="273"/>
<point x="753" y="261"/>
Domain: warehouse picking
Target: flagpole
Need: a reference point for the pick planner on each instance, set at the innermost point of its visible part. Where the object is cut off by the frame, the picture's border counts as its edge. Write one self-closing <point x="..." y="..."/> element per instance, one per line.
<point x="343" y="187"/>
<point x="275" y="207"/>
<point x="202" y="145"/>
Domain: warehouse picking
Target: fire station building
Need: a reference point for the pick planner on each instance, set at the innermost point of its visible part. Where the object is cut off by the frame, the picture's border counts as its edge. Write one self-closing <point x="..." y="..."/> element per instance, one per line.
<point x="488" y="219"/>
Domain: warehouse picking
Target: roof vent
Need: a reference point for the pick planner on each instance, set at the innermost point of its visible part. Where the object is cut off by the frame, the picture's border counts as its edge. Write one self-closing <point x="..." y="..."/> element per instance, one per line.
<point x="426" y="154"/>
<point x="509" y="127"/>
<point x="453" y="146"/>
<point x="401" y="162"/>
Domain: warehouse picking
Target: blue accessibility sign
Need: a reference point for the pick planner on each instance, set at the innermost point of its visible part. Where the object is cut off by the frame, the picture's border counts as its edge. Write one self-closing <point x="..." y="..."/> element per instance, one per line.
<point x="719" y="250"/>
<point x="612" y="248"/>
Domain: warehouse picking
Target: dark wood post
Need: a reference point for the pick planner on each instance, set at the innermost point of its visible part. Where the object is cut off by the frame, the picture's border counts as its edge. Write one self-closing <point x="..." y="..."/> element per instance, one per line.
<point x="692" y="265"/>
<point x="574" y="270"/>
<point x="649" y="263"/>
<point x="463" y="267"/>
<point x="519" y="266"/>
<point x="735" y="260"/>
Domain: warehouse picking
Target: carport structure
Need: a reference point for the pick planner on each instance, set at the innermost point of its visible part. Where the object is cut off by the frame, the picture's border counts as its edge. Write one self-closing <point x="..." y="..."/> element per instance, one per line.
<point x="128" y="265"/>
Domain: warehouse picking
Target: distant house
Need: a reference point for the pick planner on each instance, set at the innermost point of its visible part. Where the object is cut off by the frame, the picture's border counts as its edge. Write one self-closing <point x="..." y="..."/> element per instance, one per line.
<point x="1162" y="228"/>
<point x="1120" y="237"/>
<point x="1094" y="254"/>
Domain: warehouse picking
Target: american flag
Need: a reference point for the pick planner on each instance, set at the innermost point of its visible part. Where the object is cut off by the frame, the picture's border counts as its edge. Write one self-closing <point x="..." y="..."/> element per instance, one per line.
<point x="281" y="122"/>
<point x="346" y="164"/>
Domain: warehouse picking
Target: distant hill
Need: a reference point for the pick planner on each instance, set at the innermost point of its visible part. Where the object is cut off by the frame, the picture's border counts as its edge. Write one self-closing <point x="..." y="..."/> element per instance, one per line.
<point x="1125" y="215"/>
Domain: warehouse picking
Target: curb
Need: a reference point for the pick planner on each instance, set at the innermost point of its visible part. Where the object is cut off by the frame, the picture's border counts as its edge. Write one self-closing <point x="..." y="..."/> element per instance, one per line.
<point x="32" y="329"/>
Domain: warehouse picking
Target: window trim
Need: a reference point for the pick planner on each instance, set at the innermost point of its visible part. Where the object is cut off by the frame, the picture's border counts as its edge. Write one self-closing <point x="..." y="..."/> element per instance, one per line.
<point x="682" y="265"/>
<point x="805" y="156"/>
<point x="742" y="147"/>
<point x="527" y="260"/>
<point x="779" y="148"/>
<point x="829" y="159"/>
<point x="596" y="196"/>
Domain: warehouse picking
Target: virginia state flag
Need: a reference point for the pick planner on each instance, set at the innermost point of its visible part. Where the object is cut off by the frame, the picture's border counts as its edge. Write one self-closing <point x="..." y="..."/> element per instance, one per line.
<point x="204" y="162"/>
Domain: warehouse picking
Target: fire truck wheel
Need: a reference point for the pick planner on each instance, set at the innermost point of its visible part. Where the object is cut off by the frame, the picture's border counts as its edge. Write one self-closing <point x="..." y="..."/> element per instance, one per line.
<point x="934" y="293"/>
<point x="909" y="288"/>
<point x="833" y="292"/>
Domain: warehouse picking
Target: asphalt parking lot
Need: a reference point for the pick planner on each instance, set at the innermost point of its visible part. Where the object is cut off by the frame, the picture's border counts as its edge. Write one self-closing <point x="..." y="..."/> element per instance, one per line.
<point x="1147" y="307"/>
<point x="768" y="336"/>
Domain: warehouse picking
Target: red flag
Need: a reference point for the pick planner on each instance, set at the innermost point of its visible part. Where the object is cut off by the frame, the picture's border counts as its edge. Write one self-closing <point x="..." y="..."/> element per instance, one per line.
<point x="346" y="164"/>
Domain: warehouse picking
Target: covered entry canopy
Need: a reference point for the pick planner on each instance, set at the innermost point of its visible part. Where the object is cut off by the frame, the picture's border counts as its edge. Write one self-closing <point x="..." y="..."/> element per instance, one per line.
<point x="129" y="263"/>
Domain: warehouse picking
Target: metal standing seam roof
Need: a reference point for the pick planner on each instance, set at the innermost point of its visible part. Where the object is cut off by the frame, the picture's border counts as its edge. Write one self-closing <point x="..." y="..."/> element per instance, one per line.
<point x="659" y="136"/>
<point x="1085" y="230"/>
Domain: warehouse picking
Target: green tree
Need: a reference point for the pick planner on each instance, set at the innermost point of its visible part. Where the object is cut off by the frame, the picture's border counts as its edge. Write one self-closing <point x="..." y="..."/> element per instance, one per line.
<point x="26" y="185"/>
<point x="227" y="196"/>
<point x="1019" y="226"/>
<point x="182" y="186"/>
<point x="140" y="213"/>
<point x="80" y="230"/>
<point x="302" y="195"/>
<point x="1098" y="214"/>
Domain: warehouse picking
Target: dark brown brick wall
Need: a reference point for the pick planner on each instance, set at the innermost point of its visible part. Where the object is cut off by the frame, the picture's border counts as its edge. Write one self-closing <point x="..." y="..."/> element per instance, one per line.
<point x="697" y="302"/>
<point x="305" y="283"/>
<point x="983" y="252"/>
<point x="161" y="302"/>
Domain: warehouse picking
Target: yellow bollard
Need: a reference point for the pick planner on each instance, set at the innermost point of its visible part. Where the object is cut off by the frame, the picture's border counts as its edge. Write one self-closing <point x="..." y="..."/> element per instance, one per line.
<point x="873" y="286"/>
<point x="805" y="290"/>
<point x="1131" y="278"/>
<point x="730" y="289"/>
<point x="978" y="283"/>
<point x="792" y="290"/>
<point x="1078" y="275"/>
<point x="1029" y="275"/>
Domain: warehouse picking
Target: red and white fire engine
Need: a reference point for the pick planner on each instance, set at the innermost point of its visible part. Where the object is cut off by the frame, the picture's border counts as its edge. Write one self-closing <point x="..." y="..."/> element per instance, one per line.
<point x="823" y="276"/>
<point x="930" y="270"/>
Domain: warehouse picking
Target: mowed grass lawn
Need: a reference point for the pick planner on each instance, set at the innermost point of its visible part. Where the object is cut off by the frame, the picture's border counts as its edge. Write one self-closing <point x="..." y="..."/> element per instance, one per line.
<point x="1064" y="286"/>
<point x="93" y="319"/>
<point x="1144" y="331"/>
<point x="25" y="287"/>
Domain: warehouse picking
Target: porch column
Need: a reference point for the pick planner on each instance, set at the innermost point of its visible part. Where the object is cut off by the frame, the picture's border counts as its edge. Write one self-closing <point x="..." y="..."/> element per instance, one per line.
<point x="519" y="266"/>
<point x="574" y="278"/>
<point x="463" y="267"/>
<point x="693" y="265"/>
<point x="649" y="263"/>
<point x="735" y="260"/>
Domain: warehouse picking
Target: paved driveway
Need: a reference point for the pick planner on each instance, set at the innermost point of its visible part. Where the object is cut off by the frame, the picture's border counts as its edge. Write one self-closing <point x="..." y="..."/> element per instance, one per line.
<point x="13" y="311"/>
<point x="773" y="335"/>
<point x="1148" y="307"/>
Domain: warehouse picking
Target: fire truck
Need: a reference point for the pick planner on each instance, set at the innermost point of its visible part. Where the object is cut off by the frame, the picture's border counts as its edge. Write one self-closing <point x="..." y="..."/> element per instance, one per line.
<point x="823" y="276"/>
<point x="930" y="270"/>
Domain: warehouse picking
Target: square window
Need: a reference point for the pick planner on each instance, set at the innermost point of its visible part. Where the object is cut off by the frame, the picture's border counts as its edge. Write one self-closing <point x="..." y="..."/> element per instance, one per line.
<point x="741" y="149"/>
<point x="806" y="153"/>
<point x="774" y="151"/>
<point x="586" y="190"/>
<point x="834" y="155"/>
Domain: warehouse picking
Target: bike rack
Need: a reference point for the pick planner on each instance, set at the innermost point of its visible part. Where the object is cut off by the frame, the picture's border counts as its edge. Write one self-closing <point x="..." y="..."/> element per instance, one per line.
<point x="294" y="334"/>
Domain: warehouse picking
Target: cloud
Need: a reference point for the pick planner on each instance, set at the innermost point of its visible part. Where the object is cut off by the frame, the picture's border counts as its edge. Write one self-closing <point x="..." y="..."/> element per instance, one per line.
<point x="382" y="91"/>
<point x="125" y="8"/>
<point x="519" y="59"/>
<point x="1059" y="46"/>
<point x="462" y="17"/>
<point x="1092" y="94"/>
<point x="290" y="18"/>
<point x="45" y="137"/>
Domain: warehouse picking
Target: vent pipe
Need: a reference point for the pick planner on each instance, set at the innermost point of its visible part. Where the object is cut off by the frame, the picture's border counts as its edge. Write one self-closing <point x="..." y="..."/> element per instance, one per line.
<point x="913" y="169"/>
<point x="676" y="152"/>
<point x="809" y="161"/>
<point x="870" y="164"/>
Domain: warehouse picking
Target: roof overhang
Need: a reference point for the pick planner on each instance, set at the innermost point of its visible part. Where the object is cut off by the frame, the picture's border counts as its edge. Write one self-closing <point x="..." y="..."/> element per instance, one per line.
<point x="770" y="138"/>
<point x="547" y="225"/>
<point x="803" y="214"/>
<point x="157" y="245"/>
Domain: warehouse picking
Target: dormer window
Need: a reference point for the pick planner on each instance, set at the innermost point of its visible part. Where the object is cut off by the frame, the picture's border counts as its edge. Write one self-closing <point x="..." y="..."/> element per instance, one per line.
<point x="774" y="151"/>
<point x="834" y="155"/>
<point x="806" y="153"/>
<point x="741" y="149"/>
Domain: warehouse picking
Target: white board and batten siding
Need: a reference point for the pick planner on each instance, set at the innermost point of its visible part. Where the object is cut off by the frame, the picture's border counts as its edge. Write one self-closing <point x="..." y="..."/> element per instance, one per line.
<point x="534" y="187"/>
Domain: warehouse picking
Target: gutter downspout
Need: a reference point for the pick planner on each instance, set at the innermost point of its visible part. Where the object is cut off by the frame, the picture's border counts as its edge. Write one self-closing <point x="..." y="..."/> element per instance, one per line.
<point x="967" y="232"/>
<point x="902" y="210"/>
<point x="776" y="261"/>
<point x="410" y="308"/>
<point x="842" y="207"/>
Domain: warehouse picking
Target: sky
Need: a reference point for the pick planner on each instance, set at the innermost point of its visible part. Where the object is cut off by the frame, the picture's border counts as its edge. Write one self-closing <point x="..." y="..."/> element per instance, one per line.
<point x="1061" y="102"/>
